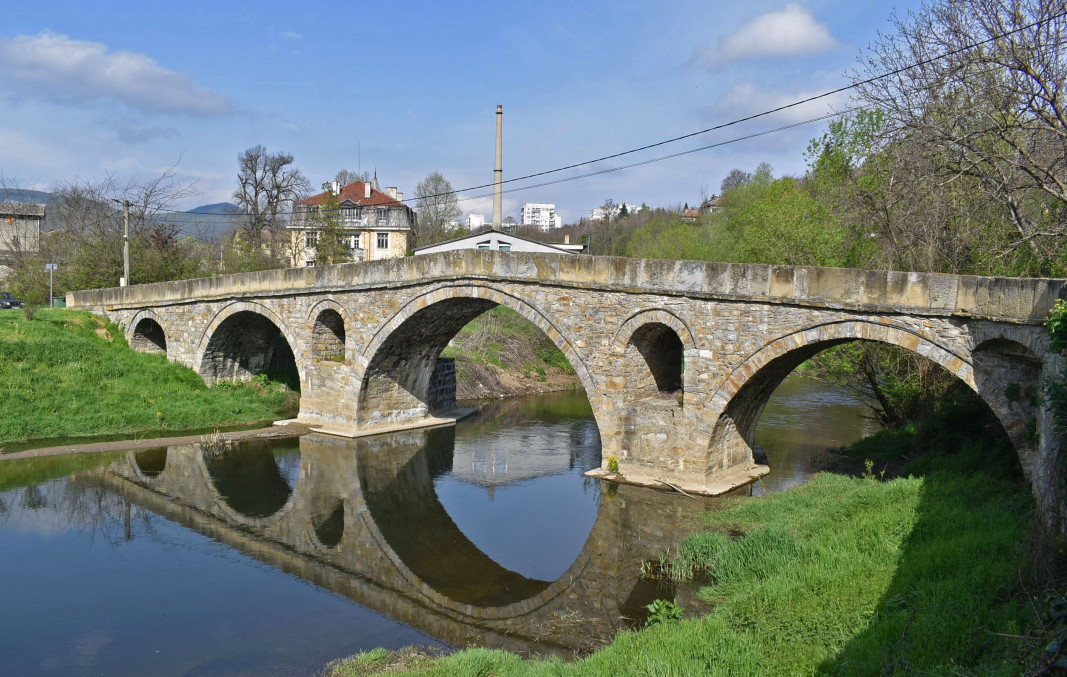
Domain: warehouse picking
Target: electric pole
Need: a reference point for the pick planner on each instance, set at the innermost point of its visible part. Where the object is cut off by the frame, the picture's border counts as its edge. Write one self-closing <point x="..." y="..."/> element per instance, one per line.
<point x="126" y="242"/>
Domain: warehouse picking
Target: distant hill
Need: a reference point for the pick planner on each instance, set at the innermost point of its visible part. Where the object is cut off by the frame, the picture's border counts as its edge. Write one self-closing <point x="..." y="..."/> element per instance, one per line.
<point x="25" y="195"/>
<point x="206" y="221"/>
<point x="217" y="208"/>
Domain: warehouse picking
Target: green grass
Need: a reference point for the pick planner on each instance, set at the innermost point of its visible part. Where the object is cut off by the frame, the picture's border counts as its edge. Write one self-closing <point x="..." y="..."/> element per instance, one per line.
<point x="68" y="373"/>
<point x="504" y="338"/>
<point x="848" y="576"/>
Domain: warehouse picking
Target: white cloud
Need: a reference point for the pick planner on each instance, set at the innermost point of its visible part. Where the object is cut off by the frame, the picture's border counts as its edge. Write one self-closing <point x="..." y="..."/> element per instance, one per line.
<point x="290" y="35"/>
<point x="788" y="32"/>
<point x="73" y="71"/>
<point x="747" y="99"/>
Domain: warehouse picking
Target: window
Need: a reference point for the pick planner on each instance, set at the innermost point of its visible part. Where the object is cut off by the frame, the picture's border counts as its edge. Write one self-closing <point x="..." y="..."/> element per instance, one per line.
<point x="485" y="245"/>
<point x="312" y="238"/>
<point x="351" y="212"/>
<point x="383" y="240"/>
<point x="383" y="216"/>
<point x="505" y="247"/>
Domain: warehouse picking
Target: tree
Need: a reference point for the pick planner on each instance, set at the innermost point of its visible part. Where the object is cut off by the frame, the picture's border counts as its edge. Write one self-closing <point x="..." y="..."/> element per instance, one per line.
<point x="988" y="120"/>
<point x="735" y="179"/>
<point x="437" y="206"/>
<point x="331" y="247"/>
<point x="267" y="186"/>
<point x="345" y="177"/>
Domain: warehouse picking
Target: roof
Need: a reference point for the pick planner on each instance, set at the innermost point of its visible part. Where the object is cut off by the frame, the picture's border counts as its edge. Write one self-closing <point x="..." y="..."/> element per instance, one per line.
<point x="21" y="209"/>
<point x="482" y="233"/>
<point x="354" y="193"/>
<point x="690" y="213"/>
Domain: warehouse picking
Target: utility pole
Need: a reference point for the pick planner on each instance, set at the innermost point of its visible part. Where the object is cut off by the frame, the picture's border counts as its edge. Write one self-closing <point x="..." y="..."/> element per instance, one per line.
<point x="125" y="242"/>
<point x="498" y="172"/>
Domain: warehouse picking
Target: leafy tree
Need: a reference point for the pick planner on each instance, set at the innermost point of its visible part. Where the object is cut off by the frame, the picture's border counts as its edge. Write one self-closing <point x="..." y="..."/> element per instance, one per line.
<point x="437" y="206"/>
<point x="331" y="247"/>
<point x="987" y="122"/>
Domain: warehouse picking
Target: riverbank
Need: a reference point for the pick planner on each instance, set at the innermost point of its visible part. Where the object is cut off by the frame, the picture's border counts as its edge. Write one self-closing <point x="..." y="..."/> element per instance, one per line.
<point x="70" y="374"/>
<point x="502" y="354"/>
<point x="838" y="576"/>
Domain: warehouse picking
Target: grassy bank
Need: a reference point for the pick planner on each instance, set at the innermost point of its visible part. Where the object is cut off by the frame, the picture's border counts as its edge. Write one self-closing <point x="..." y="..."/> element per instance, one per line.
<point x="500" y="353"/>
<point x="68" y="373"/>
<point x="849" y="576"/>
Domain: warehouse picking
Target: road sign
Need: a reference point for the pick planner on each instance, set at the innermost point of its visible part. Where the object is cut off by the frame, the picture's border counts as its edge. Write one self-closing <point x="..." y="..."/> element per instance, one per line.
<point x="49" y="266"/>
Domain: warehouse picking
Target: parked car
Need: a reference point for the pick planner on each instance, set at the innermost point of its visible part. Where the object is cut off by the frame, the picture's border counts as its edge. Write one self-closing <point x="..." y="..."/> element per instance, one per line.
<point x="9" y="301"/>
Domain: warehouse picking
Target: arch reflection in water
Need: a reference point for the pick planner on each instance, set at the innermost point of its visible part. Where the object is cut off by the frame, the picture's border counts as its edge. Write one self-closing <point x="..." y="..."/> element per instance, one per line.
<point x="342" y="529"/>
<point x="251" y="479"/>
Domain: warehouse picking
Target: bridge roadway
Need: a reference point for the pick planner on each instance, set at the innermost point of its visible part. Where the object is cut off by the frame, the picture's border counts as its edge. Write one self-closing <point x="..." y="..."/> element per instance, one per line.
<point x="677" y="358"/>
<point x="363" y="520"/>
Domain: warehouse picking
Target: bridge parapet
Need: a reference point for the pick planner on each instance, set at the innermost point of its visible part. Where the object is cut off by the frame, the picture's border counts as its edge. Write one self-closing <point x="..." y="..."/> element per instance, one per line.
<point x="1025" y="300"/>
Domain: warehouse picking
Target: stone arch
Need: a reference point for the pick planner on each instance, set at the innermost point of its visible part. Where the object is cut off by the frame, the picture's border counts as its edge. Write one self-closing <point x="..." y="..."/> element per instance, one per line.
<point x="146" y="334"/>
<point x="742" y="396"/>
<point x="400" y="358"/>
<point x="653" y="344"/>
<point x="236" y="330"/>
<point x="328" y="335"/>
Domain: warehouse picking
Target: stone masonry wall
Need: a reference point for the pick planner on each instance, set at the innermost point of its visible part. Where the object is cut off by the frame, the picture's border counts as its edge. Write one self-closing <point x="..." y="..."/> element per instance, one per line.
<point x="734" y="322"/>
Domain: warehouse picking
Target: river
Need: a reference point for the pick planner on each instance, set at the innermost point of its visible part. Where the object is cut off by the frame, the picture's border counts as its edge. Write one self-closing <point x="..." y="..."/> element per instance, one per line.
<point x="276" y="558"/>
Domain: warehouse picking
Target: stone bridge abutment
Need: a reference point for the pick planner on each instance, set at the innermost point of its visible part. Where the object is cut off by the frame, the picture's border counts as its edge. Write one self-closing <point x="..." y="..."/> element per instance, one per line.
<point x="677" y="358"/>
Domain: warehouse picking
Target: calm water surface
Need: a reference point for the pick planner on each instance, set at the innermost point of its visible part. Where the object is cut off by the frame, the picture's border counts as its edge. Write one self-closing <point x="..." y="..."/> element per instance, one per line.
<point x="274" y="559"/>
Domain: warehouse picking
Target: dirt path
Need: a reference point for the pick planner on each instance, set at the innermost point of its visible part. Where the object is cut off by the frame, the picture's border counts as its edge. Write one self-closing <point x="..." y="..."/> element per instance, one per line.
<point x="268" y="433"/>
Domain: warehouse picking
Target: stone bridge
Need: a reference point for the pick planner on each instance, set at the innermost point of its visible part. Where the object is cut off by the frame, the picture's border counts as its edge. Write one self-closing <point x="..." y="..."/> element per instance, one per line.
<point x="362" y="519"/>
<point x="677" y="358"/>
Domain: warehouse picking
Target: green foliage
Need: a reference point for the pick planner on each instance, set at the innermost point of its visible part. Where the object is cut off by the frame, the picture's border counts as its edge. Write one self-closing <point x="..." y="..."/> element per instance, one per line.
<point x="70" y="373"/>
<point x="1057" y="327"/>
<point x="331" y="247"/>
<point x="613" y="464"/>
<point x="663" y="611"/>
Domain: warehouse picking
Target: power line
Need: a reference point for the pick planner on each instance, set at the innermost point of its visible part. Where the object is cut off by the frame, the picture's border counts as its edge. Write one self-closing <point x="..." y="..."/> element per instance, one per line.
<point x="725" y="125"/>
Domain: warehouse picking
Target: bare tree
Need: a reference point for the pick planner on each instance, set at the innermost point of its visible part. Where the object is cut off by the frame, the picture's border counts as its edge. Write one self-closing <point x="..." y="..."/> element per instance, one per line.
<point x="735" y="179"/>
<point x="988" y="113"/>
<point x="267" y="186"/>
<point x="345" y="177"/>
<point x="437" y="207"/>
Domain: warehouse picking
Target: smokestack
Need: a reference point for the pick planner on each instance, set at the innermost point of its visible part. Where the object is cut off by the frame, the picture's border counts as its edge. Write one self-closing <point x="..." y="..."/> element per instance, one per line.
<point x="335" y="186"/>
<point x="366" y="189"/>
<point x="391" y="192"/>
<point x="498" y="172"/>
<point x="399" y="197"/>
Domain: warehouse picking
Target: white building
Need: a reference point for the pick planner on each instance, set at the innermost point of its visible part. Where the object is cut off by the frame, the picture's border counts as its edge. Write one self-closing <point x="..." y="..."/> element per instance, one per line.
<point x="600" y="213"/>
<point x="541" y="215"/>
<point x="475" y="221"/>
<point x="498" y="240"/>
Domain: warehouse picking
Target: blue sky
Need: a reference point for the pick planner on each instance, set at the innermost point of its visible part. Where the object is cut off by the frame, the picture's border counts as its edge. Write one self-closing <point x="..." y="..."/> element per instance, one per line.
<point x="129" y="89"/>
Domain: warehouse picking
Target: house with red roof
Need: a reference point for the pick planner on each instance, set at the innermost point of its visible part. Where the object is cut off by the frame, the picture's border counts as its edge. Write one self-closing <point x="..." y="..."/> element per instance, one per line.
<point x="377" y="224"/>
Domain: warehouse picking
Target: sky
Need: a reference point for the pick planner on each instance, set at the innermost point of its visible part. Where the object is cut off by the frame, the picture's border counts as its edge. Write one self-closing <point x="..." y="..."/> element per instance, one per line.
<point x="126" y="89"/>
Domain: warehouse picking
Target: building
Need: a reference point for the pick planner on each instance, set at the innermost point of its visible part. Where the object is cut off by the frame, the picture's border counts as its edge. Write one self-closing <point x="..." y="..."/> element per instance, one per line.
<point x="377" y="225"/>
<point x="20" y="227"/>
<point x="599" y="214"/>
<point x="711" y="206"/>
<point x="20" y="232"/>
<point x="541" y="215"/>
<point x="501" y="241"/>
<point x="475" y="221"/>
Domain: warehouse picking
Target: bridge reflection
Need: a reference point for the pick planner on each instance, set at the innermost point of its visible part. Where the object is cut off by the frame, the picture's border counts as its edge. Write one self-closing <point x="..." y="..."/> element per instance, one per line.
<point x="361" y="518"/>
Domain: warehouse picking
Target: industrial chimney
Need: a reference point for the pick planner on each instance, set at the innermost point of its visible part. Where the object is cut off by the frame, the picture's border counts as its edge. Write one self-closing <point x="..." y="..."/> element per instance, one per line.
<point x="498" y="172"/>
